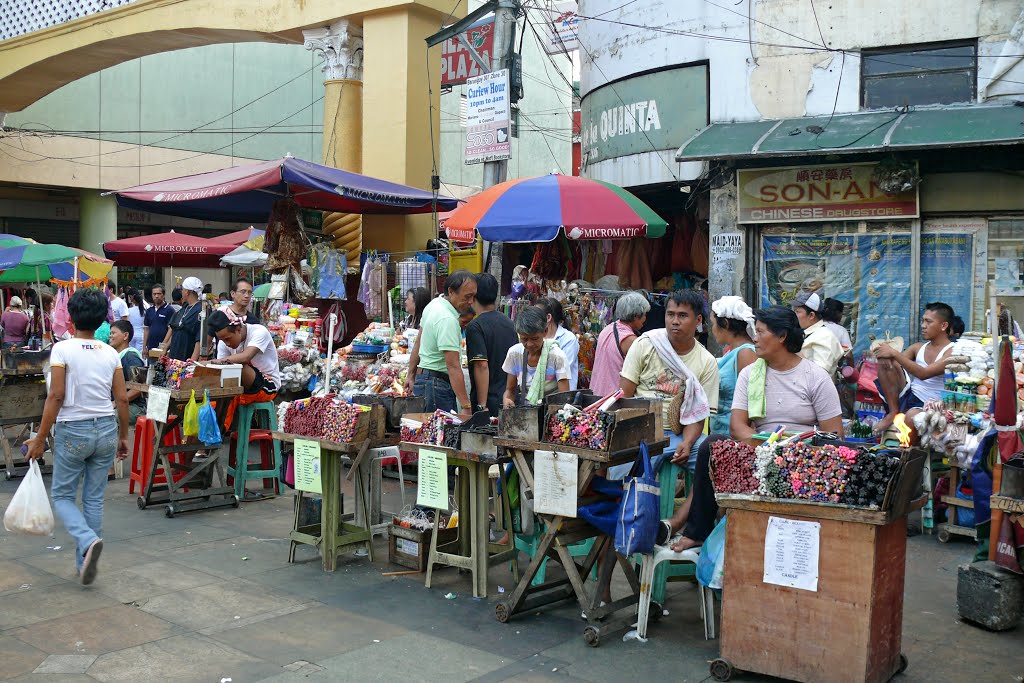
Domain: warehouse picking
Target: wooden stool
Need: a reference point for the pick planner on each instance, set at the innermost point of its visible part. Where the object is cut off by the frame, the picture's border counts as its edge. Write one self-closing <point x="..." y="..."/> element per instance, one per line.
<point x="241" y="473"/>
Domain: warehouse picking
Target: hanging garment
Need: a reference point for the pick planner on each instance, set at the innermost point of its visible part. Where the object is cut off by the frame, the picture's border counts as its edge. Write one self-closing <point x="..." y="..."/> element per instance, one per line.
<point x="682" y="241"/>
<point x="700" y="250"/>
<point x="61" y="318"/>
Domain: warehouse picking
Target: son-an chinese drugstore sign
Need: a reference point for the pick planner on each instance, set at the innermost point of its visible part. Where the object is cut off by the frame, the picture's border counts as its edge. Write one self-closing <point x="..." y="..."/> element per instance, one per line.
<point x="818" y="193"/>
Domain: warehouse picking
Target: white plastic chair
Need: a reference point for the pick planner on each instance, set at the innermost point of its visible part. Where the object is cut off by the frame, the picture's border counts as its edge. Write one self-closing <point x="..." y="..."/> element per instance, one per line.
<point x="650" y="563"/>
<point x="382" y="456"/>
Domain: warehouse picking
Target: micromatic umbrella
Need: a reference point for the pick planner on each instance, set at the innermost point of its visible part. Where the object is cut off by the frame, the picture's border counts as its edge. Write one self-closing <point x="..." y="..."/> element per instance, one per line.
<point x="167" y="249"/>
<point x="242" y="237"/>
<point x="247" y="193"/>
<point x="535" y="209"/>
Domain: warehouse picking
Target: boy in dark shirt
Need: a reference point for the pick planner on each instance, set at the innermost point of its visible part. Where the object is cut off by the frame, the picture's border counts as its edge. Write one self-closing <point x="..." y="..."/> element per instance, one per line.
<point x="488" y="338"/>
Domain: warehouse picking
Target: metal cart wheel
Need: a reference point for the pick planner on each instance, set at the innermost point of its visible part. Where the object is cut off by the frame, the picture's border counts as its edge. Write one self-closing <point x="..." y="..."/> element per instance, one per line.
<point x="141" y="502"/>
<point x="8" y="475"/>
<point x="904" y="663"/>
<point x="234" y="501"/>
<point x="656" y="612"/>
<point x="592" y="636"/>
<point x="943" y="535"/>
<point x="170" y="510"/>
<point x="502" y="612"/>
<point x="722" y="670"/>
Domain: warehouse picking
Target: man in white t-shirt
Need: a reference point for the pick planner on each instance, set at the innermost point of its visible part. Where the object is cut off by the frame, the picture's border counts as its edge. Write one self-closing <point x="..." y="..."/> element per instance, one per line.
<point x="251" y="346"/>
<point x="90" y="429"/>
<point x="117" y="305"/>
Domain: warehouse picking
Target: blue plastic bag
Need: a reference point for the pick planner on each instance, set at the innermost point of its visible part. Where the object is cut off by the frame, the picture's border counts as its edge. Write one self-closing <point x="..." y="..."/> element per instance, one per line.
<point x="711" y="563"/>
<point x="640" y="510"/>
<point x="209" y="430"/>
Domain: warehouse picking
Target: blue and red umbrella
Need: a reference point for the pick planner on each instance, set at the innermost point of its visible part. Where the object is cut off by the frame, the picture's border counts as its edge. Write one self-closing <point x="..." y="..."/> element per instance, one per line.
<point x="536" y="209"/>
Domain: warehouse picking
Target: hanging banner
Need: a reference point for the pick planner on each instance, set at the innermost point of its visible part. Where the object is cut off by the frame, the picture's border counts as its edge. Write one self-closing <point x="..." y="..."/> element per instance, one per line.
<point x="947" y="271"/>
<point x="869" y="273"/>
<point x="818" y="193"/>
<point x="487" y="118"/>
<point x="561" y="27"/>
<point x="456" y="63"/>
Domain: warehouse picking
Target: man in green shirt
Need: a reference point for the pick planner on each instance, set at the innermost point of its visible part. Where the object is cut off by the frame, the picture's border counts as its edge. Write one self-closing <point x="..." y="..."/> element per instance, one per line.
<point x="435" y="368"/>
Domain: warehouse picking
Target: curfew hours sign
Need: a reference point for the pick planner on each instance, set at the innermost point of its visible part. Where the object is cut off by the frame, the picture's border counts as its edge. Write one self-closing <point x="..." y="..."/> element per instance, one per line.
<point x="487" y="118"/>
<point x="818" y="193"/>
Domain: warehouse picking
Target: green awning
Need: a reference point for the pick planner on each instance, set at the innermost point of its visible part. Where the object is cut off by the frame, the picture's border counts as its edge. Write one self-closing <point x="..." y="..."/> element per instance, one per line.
<point x="875" y="131"/>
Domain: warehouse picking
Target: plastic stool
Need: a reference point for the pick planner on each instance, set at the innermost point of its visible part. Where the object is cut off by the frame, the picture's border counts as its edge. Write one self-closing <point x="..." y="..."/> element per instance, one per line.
<point x="528" y="545"/>
<point x="265" y="439"/>
<point x="143" y="455"/>
<point x="241" y="473"/>
<point x="668" y="474"/>
<point x="647" y="569"/>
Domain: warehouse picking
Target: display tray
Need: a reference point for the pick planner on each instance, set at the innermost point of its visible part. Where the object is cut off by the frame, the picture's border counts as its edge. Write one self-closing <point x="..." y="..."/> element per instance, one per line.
<point x="186" y="393"/>
<point x="25" y="362"/>
<point x="586" y="454"/>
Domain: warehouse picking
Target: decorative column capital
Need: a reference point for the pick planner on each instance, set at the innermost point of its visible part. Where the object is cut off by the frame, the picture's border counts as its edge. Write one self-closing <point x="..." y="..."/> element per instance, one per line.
<point x="341" y="45"/>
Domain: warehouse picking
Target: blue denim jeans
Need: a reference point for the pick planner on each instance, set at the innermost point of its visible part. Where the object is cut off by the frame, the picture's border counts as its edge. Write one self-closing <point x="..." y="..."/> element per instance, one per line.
<point x="437" y="394"/>
<point x="84" y="449"/>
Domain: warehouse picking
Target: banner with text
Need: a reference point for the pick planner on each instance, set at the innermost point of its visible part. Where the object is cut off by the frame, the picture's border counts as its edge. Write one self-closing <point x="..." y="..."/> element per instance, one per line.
<point x="456" y="63"/>
<point x="818" y="193"/>
<point x="487" y="118"/>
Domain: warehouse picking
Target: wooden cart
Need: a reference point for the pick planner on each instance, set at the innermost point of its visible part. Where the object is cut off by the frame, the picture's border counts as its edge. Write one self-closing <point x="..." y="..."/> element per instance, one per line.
<point x="560" y="533"/>
<point x="21" y="406"/>
<point x="848" y="630"/>
<point x="335" y="530"/>
<point x="196" y="490"/>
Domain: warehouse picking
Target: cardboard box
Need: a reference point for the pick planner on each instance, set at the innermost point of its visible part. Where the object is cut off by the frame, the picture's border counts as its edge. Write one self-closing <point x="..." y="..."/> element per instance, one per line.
<point x="411" y="547"/>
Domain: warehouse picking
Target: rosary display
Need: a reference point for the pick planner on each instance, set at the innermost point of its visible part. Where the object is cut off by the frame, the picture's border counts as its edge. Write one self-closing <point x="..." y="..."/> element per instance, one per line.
<point x="432" y="431"/>
<point x="170" y="373"/>
<point x="823" y="474"/>
<point x="579" y="428"/>
<point x="323" y="417"/>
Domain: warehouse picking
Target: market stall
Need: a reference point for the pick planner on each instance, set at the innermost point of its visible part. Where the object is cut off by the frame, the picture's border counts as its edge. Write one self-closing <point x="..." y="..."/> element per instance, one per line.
<point x="797" y="512"/>
<point x="558" y="448"/>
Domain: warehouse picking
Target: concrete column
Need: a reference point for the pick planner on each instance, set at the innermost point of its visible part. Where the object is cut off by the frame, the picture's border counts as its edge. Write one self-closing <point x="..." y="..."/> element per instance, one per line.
<point x="341" y="46"/>
<point x="727" y="269"/>
<point x="398" y="129"/>
<point x="97" y="221"/>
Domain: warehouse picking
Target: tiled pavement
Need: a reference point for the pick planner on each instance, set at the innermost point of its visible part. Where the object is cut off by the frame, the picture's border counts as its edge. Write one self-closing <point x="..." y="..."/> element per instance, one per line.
<point x="208" y="596"/>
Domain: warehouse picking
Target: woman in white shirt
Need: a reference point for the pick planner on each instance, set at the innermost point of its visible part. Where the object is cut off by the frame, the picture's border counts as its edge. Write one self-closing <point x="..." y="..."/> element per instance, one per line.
<point x="137" y="316"/>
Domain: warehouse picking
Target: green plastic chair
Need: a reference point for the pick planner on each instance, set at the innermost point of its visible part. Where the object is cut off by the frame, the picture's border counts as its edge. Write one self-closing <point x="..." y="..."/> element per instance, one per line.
<point x="266" y="413"/>
<point x="668" y="474"/>
<point x="528" y="545"/>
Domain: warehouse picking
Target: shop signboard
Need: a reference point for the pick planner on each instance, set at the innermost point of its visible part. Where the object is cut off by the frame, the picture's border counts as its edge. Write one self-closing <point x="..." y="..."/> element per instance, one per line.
<point x="561" y="27"/>
<point x="868" y="272"/>
<point x="829" y="192"/>
<point x="456" y="63"/>
<point x="487" y="118"/>
<point x="645" y="113"/>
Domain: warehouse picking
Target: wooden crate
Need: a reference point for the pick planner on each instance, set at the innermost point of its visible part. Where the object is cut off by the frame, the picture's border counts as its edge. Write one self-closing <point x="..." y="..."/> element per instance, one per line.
<point x="848" y="631"/>
<point x="397" y="407"/>
<point x="410" y="547"/>
<point x="20" y="399"/>
<point x="25" y="362"/>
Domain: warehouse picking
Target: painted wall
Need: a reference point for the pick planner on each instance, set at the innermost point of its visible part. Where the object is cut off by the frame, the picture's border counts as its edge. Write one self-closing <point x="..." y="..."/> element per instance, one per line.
<point x="766" y="58"/>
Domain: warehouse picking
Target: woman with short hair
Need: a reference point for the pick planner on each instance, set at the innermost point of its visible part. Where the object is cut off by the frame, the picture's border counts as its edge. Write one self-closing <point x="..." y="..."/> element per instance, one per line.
<point x="565" y="339"/>
<point x="615" y="339"/>
<point x="15" y="323"/>
<point x="535" y="366"/>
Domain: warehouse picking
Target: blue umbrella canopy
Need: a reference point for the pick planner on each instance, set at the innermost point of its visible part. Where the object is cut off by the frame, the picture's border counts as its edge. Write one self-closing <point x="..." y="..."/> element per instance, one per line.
<point x="247" y="193"/>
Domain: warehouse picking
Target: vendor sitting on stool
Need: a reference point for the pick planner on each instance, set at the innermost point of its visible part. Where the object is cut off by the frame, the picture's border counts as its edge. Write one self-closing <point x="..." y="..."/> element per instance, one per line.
<point x="250" y="346"/>
<point x="121" y="334"/>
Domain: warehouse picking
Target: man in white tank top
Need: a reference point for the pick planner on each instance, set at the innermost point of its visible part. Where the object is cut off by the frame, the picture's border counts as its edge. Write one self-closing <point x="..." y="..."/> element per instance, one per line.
<point x="910" y="379"/>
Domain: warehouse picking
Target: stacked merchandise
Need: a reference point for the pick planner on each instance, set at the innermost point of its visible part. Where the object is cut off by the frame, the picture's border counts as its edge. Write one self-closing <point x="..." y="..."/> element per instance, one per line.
<point x="324" y="417"/>
<point x="822" y="474"/>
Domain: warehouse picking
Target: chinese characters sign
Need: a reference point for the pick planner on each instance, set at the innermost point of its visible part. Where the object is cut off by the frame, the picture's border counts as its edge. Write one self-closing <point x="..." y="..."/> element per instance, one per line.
<point x="818" y="193"/>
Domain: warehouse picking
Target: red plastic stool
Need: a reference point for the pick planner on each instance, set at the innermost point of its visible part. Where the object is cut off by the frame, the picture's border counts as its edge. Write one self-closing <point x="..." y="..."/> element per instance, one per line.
<point x="265" y="439"/>
<point x="142" y="454"/>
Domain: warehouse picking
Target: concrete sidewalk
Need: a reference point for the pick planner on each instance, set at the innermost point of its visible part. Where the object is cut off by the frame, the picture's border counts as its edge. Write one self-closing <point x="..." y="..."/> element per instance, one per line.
<point x="209" y="596"/>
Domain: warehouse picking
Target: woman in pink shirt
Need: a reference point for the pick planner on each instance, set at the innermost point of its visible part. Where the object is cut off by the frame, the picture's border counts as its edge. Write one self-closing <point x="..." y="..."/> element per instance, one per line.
<point x="614" y="341"/>
<point x="15" y="323"/>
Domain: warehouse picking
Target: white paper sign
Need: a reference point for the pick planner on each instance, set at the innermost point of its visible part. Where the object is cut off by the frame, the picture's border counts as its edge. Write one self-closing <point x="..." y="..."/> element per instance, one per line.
<point x="791" y="553"/>
<point x="555" y="476"/>
<point x="157" y="403"/>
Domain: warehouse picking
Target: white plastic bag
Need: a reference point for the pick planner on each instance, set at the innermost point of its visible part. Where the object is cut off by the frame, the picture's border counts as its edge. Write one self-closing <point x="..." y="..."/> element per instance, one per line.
<point x="29" y="511"/>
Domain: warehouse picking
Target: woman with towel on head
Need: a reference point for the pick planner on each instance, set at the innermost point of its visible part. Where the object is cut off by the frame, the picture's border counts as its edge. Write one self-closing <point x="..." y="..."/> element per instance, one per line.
<point x="732" y="324"/>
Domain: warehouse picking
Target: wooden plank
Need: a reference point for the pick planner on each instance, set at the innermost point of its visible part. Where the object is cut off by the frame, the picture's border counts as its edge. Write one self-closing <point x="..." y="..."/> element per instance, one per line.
<point x="335" y="446"/>
<point x="1006" y="504"/>
<point x="587" y="454"/>
<point x="835" y="633"/>
<point x="805" y="508"/>
<point x="182" y="396"/>
<point x="958" y="502"/>
<point x="454" y="454"/>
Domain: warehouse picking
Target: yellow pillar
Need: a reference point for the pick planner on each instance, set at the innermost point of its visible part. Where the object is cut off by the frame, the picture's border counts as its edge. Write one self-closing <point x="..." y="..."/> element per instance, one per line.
<point x="398" y="128"/>
<point x="341" y="46"/>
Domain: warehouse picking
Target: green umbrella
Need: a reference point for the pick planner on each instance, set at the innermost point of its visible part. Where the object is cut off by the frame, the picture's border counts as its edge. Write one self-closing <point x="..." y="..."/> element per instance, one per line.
<point x="33" y="262"/>
<point x="261" y="291"/>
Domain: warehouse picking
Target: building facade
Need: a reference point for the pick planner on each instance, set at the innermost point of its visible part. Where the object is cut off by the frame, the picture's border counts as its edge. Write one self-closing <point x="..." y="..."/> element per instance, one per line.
<point x="832" y="148"/>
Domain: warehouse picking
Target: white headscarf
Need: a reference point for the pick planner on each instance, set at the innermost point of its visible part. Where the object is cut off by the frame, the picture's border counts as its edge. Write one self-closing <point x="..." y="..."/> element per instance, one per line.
<point x="735" y="308"/>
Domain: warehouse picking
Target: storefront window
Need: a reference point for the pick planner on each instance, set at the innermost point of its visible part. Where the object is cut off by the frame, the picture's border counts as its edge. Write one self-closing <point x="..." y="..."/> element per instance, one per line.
<point x="1006" y="263"/>
<point x="918" y="75"/>
<point x="866" y="266"/>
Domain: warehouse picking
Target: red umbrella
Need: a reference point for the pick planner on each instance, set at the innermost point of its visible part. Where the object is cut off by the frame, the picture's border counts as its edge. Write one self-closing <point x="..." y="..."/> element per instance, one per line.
<point x="167" y="249"/>
<point x="239" y="237"/>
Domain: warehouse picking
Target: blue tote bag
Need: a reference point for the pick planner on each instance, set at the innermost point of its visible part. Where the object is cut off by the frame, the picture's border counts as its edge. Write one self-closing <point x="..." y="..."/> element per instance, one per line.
<point x="639" y="512"/>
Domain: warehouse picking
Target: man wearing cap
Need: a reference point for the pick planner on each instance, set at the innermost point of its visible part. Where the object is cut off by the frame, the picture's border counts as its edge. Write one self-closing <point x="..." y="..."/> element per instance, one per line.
<point x="182" y="340"/>
<point x="820" y="346"/>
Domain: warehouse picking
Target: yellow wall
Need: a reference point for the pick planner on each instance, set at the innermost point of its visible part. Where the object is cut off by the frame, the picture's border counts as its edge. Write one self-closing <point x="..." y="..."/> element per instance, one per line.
<point x="397" y="131"/>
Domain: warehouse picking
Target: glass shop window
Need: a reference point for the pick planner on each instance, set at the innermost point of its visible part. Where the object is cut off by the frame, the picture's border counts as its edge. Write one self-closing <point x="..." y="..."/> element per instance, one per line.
<point x="945" y="73"/>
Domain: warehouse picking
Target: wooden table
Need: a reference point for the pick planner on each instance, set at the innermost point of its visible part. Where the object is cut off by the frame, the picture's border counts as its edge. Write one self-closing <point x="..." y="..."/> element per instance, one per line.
<point x="848" y="630"/>
<point x="473" y="550"/>
<point x="560" y="533"/>
<point x="21" y="405"/>
<point x="335" y="530"/>
<point x="201" y="493"/>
